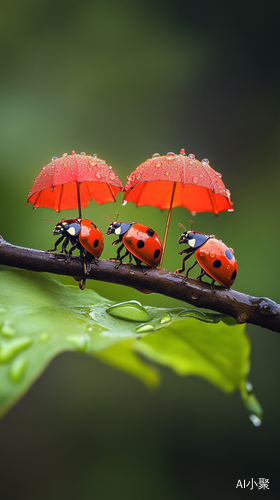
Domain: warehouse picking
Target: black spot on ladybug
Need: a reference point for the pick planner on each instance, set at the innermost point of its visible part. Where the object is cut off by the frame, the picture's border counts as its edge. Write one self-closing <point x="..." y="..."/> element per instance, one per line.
<point x="217" y="263"/>
<point x="140" y="243"/>
<point x="229" y="254"/>
<point x="156" y="253"/>
<point x="233" y="276"/>
<point x="150" y="232"/>
<point x="96" y="243"/>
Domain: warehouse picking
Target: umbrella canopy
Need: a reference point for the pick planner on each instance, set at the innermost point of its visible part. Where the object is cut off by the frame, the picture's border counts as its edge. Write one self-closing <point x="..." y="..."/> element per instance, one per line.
<point x="72" y="180"/>
<point x="178" y="180"/>
<point x="186" y="181"/>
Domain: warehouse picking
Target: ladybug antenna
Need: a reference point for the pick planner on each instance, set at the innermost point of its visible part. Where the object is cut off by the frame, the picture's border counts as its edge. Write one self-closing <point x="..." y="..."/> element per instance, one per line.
<point x="191" y="224"/>
<point x="109" y="219"/>
<point x="117" y="216"/>
<point x="181" y="225"/>
<point x="48" y="220"/>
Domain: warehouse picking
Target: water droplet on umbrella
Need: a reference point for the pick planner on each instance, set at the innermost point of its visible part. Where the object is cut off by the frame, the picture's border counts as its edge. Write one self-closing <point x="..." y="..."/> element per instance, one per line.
<point x="170" y="155"/>
<point x="212" y="255"/>
<point x="166" y="173"/>
<point x="94" y="156"/>
<point x="165" y="319"/>
<point x="230" y="210"/>
<point x="158" y="164"/>
<point x="17" y="369"/>
<point x="124" y="203"/>
<point x="11" y="348"/>
<point x="129" y="311"/>
<point x="219" y="175"/>
<point x="194" y="179"/>
<point x="155" y="155"/>
<point x="205" y="161"/>
<point x="112" y="176"/>
<point x="138" y="176"/>
<point x="64" y="155"/>
<point x="83" y="153"/>
<point x="193" y="213"/>
<point x="54" y="158"/>
<point x="144" y="329"/>
<point x="98" y="176"/>
<point x="191" y="157"/>
<point x="183" y="152"/>
<point x="73" y="152"/>
<point x="228" y="192"/>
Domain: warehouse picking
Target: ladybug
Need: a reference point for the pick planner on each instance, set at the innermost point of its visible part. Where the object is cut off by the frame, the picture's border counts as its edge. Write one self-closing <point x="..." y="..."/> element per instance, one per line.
<point x="214" y="257"/>
<point x="83" y="235"/>
<point x="141" y="242"/>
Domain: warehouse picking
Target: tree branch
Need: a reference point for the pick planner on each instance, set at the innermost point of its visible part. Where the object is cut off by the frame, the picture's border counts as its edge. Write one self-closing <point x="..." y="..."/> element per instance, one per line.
<point x="244" y="308"/>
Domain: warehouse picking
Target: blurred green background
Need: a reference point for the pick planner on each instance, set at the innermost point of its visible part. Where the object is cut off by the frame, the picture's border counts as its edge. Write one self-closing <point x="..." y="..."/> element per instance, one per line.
<point x="125" y="80"/>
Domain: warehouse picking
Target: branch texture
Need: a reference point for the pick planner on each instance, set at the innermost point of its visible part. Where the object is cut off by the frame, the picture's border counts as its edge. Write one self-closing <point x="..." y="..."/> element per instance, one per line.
<point x="243" y="308"/>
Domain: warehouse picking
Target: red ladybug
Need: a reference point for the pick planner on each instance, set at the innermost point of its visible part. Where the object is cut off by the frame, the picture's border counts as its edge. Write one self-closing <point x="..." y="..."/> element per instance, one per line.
<point x="141" y="242"/>
<point x="214" y="257"/>
<point x="83" y="235"/>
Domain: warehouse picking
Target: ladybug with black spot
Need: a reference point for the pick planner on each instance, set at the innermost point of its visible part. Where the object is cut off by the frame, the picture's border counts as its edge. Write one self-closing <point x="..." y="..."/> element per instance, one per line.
<point x="215" y="259"/>
<point x="141" y="243"/>
<point x="84" y="236"/>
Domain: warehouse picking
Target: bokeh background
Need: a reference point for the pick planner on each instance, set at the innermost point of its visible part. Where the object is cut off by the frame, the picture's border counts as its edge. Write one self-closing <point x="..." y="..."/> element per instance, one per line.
<point x="125" y="80"/>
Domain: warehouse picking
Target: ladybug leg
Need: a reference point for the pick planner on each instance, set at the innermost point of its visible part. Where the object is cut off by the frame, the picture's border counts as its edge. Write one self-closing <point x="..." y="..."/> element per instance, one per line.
<point x="121" y="259"/>
<point x="187" y="273"/>
<point x="138" y="263"/>
<point x="189" y="252"/>
<point x="202" y="273"/>
<point x="64" y="245"/>
<point x="118" y="251"/>
<point x="56" y="244"/>
<point x="71" y="251"/>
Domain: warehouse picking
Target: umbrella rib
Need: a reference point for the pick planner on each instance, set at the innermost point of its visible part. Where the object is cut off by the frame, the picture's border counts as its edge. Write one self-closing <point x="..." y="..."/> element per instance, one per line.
<point x="111" y="191"/>
<point x="37" y="199"/>
<point x="60" y="196"/>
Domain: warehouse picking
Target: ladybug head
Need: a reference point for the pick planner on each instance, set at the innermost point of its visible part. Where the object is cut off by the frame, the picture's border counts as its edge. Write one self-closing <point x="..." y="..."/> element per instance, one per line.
<point x="117" y="227"/>
<point x="193" y="238"/>
<point x="60" y="227"/>
<point x="71" y="227"/>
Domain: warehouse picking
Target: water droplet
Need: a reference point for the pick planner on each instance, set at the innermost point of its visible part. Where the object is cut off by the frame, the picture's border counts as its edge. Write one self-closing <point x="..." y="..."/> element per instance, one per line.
<point x="183" y="152"/>
<point x="165" y="319"/>
<point x="83" y="153"/>
<point x="94" y="156"/>
<point x="218" y="175"/>
<point x="194" y="179"/>
<point x="144" y="328"/>
<point x="129" y="311"/>
<point x="201" y="175"/>
<point x="170" y="155"/>
<point x="193" y="313"/>
<point x="166" y="173"/>
<point x="80" y="342"/>
<point x="10" y="349"/>
<point x="112" y="175"/>
<point x="205" y="162"/>
<point x="193" y="213"/>
<point x="155" y="155"/>
<point x="65" y="165"/>
<point x="158" y="164"/>
<point x="44" y="337"/>
<point x="7" y="329"/>
<point x="228" y="193"/>
<point x="73" y="152"/>
<point x="255" y="420"/>
<point x="228" y="267"/>
<point x="98" y="176"/>
<point x="124" y="203"/>
<point x="249" y="386"/>
<point x="191" y="157"/>
<point x="212" y="255"/>
<point x="54" y="158"/>
<point x="17" y="369"/>
<point x="138" y="176"/>
<point x="64" y="155"/>
<point x="231" y="210"/>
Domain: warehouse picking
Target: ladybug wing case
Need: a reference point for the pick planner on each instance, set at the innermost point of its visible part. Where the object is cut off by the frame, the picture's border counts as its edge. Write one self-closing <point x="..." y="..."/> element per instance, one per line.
<point x="91" y="238"/>
<point x="218" y="261"/>
<point x="144" y="243"/>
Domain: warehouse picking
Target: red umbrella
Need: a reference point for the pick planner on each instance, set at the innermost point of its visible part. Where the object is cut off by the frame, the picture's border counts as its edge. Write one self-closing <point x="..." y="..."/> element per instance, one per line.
<point x="178" y="180"/>
<point x="72" y="180"/>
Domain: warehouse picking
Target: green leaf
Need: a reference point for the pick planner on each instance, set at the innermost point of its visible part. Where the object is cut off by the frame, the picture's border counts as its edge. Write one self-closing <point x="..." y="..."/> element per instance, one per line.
<point x="40" y="318"/>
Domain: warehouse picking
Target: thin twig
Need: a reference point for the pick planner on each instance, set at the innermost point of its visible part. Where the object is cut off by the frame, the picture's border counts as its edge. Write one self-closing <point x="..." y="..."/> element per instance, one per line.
<point x="244" y="308"/>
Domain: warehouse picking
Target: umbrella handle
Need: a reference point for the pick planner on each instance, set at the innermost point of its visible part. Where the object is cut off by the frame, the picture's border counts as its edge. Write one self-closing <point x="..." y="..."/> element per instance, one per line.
<point x="167" y="225"/>
<point x="79" y="200"/>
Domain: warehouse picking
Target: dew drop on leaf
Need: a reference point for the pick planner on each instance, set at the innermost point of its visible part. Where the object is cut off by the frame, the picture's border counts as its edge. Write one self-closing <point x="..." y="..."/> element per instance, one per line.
<point x="129" y="311"/>
<point x="80" y="342"/>
<point x="144" y="328"/>
<point x="17" y="369"/>
<point x="7" y="330"/>
<point x="44" y="337"/>
<point x="11" y="348"/>
<point x="165" y="319"/>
